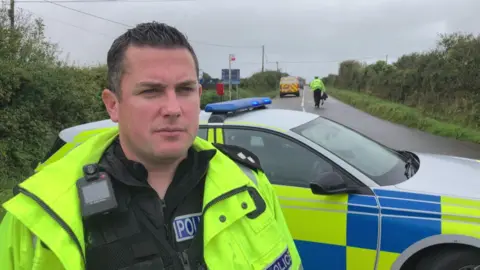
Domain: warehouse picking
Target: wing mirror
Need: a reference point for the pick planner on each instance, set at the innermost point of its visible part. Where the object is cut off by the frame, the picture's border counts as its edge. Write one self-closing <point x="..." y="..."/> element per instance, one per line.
<point x="330" y="183"/>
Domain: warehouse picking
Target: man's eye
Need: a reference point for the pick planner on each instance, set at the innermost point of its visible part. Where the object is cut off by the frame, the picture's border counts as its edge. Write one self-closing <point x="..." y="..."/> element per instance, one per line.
<point x="147" y="91"/>
<point x="186" y="89"/>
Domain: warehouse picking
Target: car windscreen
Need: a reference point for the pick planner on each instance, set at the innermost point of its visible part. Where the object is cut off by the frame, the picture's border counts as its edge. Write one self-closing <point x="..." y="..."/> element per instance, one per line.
<point x="379" y="163"/>
<point x="288" y="80"/>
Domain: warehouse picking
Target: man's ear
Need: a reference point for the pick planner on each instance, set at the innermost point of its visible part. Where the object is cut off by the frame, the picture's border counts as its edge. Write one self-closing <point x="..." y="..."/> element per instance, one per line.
<point x="200" y="90"/>
<point x="110" y="101"/>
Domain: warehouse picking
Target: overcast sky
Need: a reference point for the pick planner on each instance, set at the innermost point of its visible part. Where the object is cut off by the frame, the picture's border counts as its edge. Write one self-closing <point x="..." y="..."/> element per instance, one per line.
<point x="294" y="32"/>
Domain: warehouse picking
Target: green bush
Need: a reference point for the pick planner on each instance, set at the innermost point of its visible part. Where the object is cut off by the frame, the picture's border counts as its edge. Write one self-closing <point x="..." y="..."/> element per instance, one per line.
<point x="262" y="82"/>
<point x="442" y="84"/>
<point x="39" y="95"/>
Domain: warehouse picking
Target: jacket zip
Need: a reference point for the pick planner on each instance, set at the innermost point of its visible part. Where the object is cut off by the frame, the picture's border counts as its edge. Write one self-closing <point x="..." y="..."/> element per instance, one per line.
<point x="55" y="217"/>
<point x="164" y="206"/>
<point x="184" y="258"/>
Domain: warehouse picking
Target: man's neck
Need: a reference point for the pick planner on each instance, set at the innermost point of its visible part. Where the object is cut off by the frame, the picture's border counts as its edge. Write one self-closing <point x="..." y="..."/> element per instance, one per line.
<point x="160" y="176"/>
<point x="160" y="173"/>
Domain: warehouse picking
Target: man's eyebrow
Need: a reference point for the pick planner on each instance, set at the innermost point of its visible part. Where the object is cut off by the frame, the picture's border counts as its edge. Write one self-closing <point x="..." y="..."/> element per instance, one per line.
<point x="162" y="85"/>
<point x="151" y="85"/>
<point x="186" y="83"/>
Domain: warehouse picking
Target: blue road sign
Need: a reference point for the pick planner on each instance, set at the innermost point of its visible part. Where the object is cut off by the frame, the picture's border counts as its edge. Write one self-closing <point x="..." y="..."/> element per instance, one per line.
<point x="235" y="76"/>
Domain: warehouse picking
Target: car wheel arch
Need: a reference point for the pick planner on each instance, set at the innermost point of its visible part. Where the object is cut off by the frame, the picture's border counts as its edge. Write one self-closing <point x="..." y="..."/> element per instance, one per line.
<point x="432" y="241"/>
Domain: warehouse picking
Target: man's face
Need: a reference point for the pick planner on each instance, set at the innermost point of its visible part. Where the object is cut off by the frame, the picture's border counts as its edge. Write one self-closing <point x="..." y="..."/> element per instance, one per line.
<point x="159" y="103"/>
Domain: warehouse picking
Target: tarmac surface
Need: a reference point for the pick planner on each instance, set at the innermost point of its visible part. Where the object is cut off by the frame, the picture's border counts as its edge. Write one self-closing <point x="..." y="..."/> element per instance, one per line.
<point x="390" y="134"/>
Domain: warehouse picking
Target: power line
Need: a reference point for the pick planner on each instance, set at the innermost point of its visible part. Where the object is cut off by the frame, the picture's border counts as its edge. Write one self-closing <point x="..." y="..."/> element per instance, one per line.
<point x="69" y="24"/>
<point x="129" y="26"/>
<point x="86" y="13"/>
<point x="105" y="1"/>
<point x="211" y="44"/>
<point x="247" y="63"/>
<point x="325" y="61"/>
<point x="313" y="61"/>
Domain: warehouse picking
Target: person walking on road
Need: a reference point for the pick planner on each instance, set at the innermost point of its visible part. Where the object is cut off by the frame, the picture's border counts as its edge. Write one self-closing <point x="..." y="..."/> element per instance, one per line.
<point x="148" y="193"/>
<point x="318" y="89"/>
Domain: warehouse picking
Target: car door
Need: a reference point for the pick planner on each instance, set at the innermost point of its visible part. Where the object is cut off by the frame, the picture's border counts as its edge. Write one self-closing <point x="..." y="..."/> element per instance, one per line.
<point x="331" y="231"/>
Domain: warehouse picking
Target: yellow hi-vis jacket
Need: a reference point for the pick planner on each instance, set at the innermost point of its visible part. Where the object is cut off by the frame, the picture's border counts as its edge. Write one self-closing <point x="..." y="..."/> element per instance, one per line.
<point x="317" y="84"/>
<point x="43" y="227"/>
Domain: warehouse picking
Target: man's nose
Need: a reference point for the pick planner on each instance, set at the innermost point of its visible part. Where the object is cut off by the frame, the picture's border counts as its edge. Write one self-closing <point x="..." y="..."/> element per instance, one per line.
<point x="172" y="104"/>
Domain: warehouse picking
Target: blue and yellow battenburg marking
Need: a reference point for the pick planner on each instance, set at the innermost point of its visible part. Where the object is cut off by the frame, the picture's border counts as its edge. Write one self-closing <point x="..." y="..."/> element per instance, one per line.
<point x="341" y="231"/>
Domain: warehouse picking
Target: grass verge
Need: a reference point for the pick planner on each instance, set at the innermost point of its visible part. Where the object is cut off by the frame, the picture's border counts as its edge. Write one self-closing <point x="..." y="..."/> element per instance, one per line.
<point x="404" y="115"/>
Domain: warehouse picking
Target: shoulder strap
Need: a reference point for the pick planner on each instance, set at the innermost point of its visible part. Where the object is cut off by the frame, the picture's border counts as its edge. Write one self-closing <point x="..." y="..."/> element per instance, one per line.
<point x="246" y="160"/>
<point x="248" y="172"/>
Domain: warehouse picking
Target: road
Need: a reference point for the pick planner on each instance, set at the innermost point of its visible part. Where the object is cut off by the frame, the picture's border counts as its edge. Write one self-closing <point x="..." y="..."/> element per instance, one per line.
<point x="385" y="132"/>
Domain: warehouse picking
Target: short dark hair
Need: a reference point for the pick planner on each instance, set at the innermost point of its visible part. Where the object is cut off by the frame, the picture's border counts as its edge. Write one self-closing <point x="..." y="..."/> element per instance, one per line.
<point x="152" y="34"/>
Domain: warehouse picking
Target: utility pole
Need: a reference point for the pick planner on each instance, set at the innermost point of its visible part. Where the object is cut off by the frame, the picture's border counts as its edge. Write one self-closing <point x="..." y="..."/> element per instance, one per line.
<point x="278" y="70"/>
<point x="386" y="58"/>
<point x="263" y="58"/>
<point x="230" y="76"/>
<point x="11" y="14"/>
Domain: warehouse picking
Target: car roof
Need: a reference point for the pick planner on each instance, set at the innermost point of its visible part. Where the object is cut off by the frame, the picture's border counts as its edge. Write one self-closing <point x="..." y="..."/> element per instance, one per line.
<point x="289" y="78"/>
<point x="276" y="118"/>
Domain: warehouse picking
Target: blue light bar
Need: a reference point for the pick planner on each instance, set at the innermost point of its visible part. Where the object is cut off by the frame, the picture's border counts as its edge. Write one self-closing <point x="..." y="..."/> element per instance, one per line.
<point x="237" y="105"/>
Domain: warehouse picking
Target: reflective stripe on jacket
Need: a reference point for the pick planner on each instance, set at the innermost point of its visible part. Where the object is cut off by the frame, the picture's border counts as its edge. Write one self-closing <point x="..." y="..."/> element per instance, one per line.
<point x="43" y="228"/>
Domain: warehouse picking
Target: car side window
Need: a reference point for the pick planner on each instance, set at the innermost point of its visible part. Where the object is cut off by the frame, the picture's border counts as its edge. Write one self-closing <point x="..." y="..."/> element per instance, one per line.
<point x="284" y="161"/>
<point x="202" y="133"/>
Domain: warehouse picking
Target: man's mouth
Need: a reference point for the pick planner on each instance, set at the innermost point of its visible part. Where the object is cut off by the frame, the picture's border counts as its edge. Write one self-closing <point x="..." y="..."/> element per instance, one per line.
<point x="170" y="130"/>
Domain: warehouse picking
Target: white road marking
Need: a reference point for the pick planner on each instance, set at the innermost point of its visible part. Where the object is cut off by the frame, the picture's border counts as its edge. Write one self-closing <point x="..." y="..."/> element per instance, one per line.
<point x="303" y="99"/>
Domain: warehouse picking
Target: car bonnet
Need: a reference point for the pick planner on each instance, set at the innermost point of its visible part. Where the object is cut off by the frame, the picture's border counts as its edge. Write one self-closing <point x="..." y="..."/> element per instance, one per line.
<point x="445" y="175"/>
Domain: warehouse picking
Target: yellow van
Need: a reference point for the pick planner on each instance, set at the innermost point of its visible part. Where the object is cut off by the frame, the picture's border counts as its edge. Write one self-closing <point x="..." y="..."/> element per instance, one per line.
<point x="289" y="86"/>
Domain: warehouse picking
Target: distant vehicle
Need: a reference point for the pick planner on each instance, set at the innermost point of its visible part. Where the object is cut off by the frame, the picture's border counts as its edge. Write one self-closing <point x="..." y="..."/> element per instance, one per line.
<point x="302" y="82"/>
<point x="289" y="86"/>
<point x="347" y="199"/>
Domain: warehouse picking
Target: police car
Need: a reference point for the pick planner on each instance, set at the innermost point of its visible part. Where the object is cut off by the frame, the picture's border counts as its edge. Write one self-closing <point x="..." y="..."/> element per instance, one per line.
<point x="350" y="202"/>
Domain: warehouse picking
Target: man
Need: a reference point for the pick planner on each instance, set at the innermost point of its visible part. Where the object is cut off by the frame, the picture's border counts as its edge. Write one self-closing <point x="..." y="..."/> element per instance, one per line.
<point x="155" y="196"/>
<point x="318" y="89"/>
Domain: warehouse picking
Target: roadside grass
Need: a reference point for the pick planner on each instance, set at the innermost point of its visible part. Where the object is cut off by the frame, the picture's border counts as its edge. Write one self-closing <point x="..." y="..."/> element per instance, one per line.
<point x="401" y="114"/>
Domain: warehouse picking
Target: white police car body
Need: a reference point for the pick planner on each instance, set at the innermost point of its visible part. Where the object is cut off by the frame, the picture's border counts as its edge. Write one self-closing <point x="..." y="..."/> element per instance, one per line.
<point x="350" y="202"/>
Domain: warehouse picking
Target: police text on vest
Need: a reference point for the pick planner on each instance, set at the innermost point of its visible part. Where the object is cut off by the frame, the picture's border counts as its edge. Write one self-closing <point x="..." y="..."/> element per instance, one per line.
<point x="283" y="262"/>
<point x="186" y="226"/>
